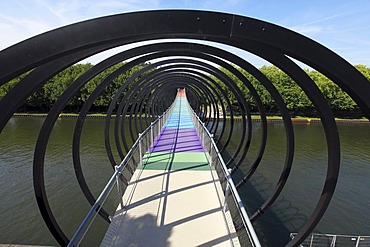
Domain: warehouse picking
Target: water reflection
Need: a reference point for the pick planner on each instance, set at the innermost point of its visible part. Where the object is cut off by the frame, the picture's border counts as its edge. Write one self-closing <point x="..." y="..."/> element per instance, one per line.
<point x="347" y="214"/>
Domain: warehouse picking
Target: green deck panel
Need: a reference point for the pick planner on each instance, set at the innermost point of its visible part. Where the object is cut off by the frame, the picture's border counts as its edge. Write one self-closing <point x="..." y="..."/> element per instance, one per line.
<point x="175" y="161"/>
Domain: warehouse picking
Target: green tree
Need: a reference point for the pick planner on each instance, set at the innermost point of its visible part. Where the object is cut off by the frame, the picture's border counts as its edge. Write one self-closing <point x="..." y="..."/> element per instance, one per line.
<point x="292" y="94"/>
<point x="335" y="96"/>
<point x="364" y="70"/>
<point x="265" y="96"/>
<point x="5" y="88"/>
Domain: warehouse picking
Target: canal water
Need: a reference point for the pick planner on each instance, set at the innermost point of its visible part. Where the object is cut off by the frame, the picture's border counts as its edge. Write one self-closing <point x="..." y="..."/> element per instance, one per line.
<point x="349" y="212"/>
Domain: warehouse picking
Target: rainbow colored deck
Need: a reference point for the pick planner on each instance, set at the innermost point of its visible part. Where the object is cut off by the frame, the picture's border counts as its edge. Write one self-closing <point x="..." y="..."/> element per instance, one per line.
<point x="178" y="145"/>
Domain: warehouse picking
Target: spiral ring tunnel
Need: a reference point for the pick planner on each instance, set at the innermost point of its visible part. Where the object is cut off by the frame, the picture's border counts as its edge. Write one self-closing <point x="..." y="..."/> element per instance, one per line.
<point x="170" y="65"/>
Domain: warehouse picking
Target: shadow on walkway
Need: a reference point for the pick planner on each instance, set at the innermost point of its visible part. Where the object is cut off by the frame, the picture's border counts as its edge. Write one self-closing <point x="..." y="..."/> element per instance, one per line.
<point x="141" y="231"/>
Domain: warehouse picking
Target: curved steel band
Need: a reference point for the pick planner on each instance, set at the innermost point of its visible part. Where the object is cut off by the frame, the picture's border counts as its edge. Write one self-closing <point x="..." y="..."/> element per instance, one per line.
<point x="146" y="91"/>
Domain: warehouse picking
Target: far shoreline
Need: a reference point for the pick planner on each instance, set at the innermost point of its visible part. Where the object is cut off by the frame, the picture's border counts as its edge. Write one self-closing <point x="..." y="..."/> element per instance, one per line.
<point x="255" y="118"/>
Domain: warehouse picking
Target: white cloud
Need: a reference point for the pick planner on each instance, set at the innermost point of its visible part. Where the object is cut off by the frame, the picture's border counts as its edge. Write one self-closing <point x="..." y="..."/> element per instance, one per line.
<point x="307" y="30"/>
<point x="14" y="30"/>
<point x="330" y="26"/>
<point x="324" y="19"/>
<point x="38" y="16"/>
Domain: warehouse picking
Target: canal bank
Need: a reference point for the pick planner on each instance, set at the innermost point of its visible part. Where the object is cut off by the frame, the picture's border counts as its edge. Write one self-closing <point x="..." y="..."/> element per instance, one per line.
<point x="272" y="119"/>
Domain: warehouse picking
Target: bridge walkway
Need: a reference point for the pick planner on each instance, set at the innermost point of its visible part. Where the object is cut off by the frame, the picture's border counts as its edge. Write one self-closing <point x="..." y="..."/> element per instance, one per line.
<point x="174" y="198"/>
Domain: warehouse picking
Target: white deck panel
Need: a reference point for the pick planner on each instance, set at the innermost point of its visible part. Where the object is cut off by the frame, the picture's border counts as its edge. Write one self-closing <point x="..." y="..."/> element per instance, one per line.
<point x="172" y="208"/>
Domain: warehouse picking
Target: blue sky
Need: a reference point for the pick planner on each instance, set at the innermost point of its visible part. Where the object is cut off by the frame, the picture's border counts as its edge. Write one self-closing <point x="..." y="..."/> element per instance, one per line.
<point x="342" y="26"/>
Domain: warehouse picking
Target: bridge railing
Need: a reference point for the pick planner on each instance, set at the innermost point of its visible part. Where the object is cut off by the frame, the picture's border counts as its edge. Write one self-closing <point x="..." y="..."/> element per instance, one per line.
<point x="331" y="240"/>
<point x="233" y="205"/>
<point x="111" y="198"/>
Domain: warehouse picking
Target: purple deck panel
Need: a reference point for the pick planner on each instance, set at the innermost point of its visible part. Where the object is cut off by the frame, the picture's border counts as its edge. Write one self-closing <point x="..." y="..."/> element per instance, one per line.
<point x="177" y="140"/>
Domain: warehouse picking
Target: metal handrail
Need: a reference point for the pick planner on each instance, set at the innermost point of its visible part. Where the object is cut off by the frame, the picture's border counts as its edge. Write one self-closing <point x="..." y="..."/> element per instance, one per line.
<point x="331" y="240"/>
<point x="91" y="215"/>
<point x="254" y="241"/>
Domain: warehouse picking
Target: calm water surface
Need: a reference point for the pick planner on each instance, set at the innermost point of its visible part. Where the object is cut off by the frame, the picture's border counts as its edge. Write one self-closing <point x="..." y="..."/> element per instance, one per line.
<point x="349" y="212"/>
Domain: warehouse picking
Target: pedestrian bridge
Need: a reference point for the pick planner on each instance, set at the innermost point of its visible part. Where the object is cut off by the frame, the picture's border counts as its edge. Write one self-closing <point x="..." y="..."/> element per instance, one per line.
<point x="175" y="195"/>
<point x="176" y="180"/>
<point x="173" y="189"/>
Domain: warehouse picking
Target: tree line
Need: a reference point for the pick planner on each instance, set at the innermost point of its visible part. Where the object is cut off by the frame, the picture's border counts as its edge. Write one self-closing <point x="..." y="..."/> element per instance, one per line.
<point x="296" y="100"/>
<point x="293" y="95"/>
<point x="43" y="99"/>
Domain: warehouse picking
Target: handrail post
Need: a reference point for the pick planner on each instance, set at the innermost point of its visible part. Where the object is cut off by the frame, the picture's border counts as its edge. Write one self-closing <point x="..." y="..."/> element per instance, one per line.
<point x="358" y="241"/>
<point x="140" y="150"/>
<point x="311" y="240"/>
<point x="333" y="241"/>
<point x="227" y="190"/>
<point x="203" y="133"/>
<point x="120" y="195"/>
<point x="151" y="133"/>
<point x="210" y="150"/>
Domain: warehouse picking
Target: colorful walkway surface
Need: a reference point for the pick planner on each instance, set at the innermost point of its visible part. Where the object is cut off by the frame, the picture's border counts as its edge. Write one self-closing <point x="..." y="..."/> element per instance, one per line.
<point x="174" y="198"/>
<point x="178" y="146"/>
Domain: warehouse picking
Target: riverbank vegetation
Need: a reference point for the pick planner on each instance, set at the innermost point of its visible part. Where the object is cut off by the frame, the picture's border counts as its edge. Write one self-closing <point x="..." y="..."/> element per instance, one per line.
<point x="296" y="100"/>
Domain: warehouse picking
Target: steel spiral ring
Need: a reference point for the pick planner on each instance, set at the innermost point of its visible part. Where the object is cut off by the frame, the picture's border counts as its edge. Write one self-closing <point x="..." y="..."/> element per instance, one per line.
<point x="151" y="90"/>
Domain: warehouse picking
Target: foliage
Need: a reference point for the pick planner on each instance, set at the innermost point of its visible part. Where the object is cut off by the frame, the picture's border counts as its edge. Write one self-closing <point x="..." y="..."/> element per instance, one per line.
<point x="293" y="95"/>
<point x="43" y="99"/>
<point x="5" y="88"/>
